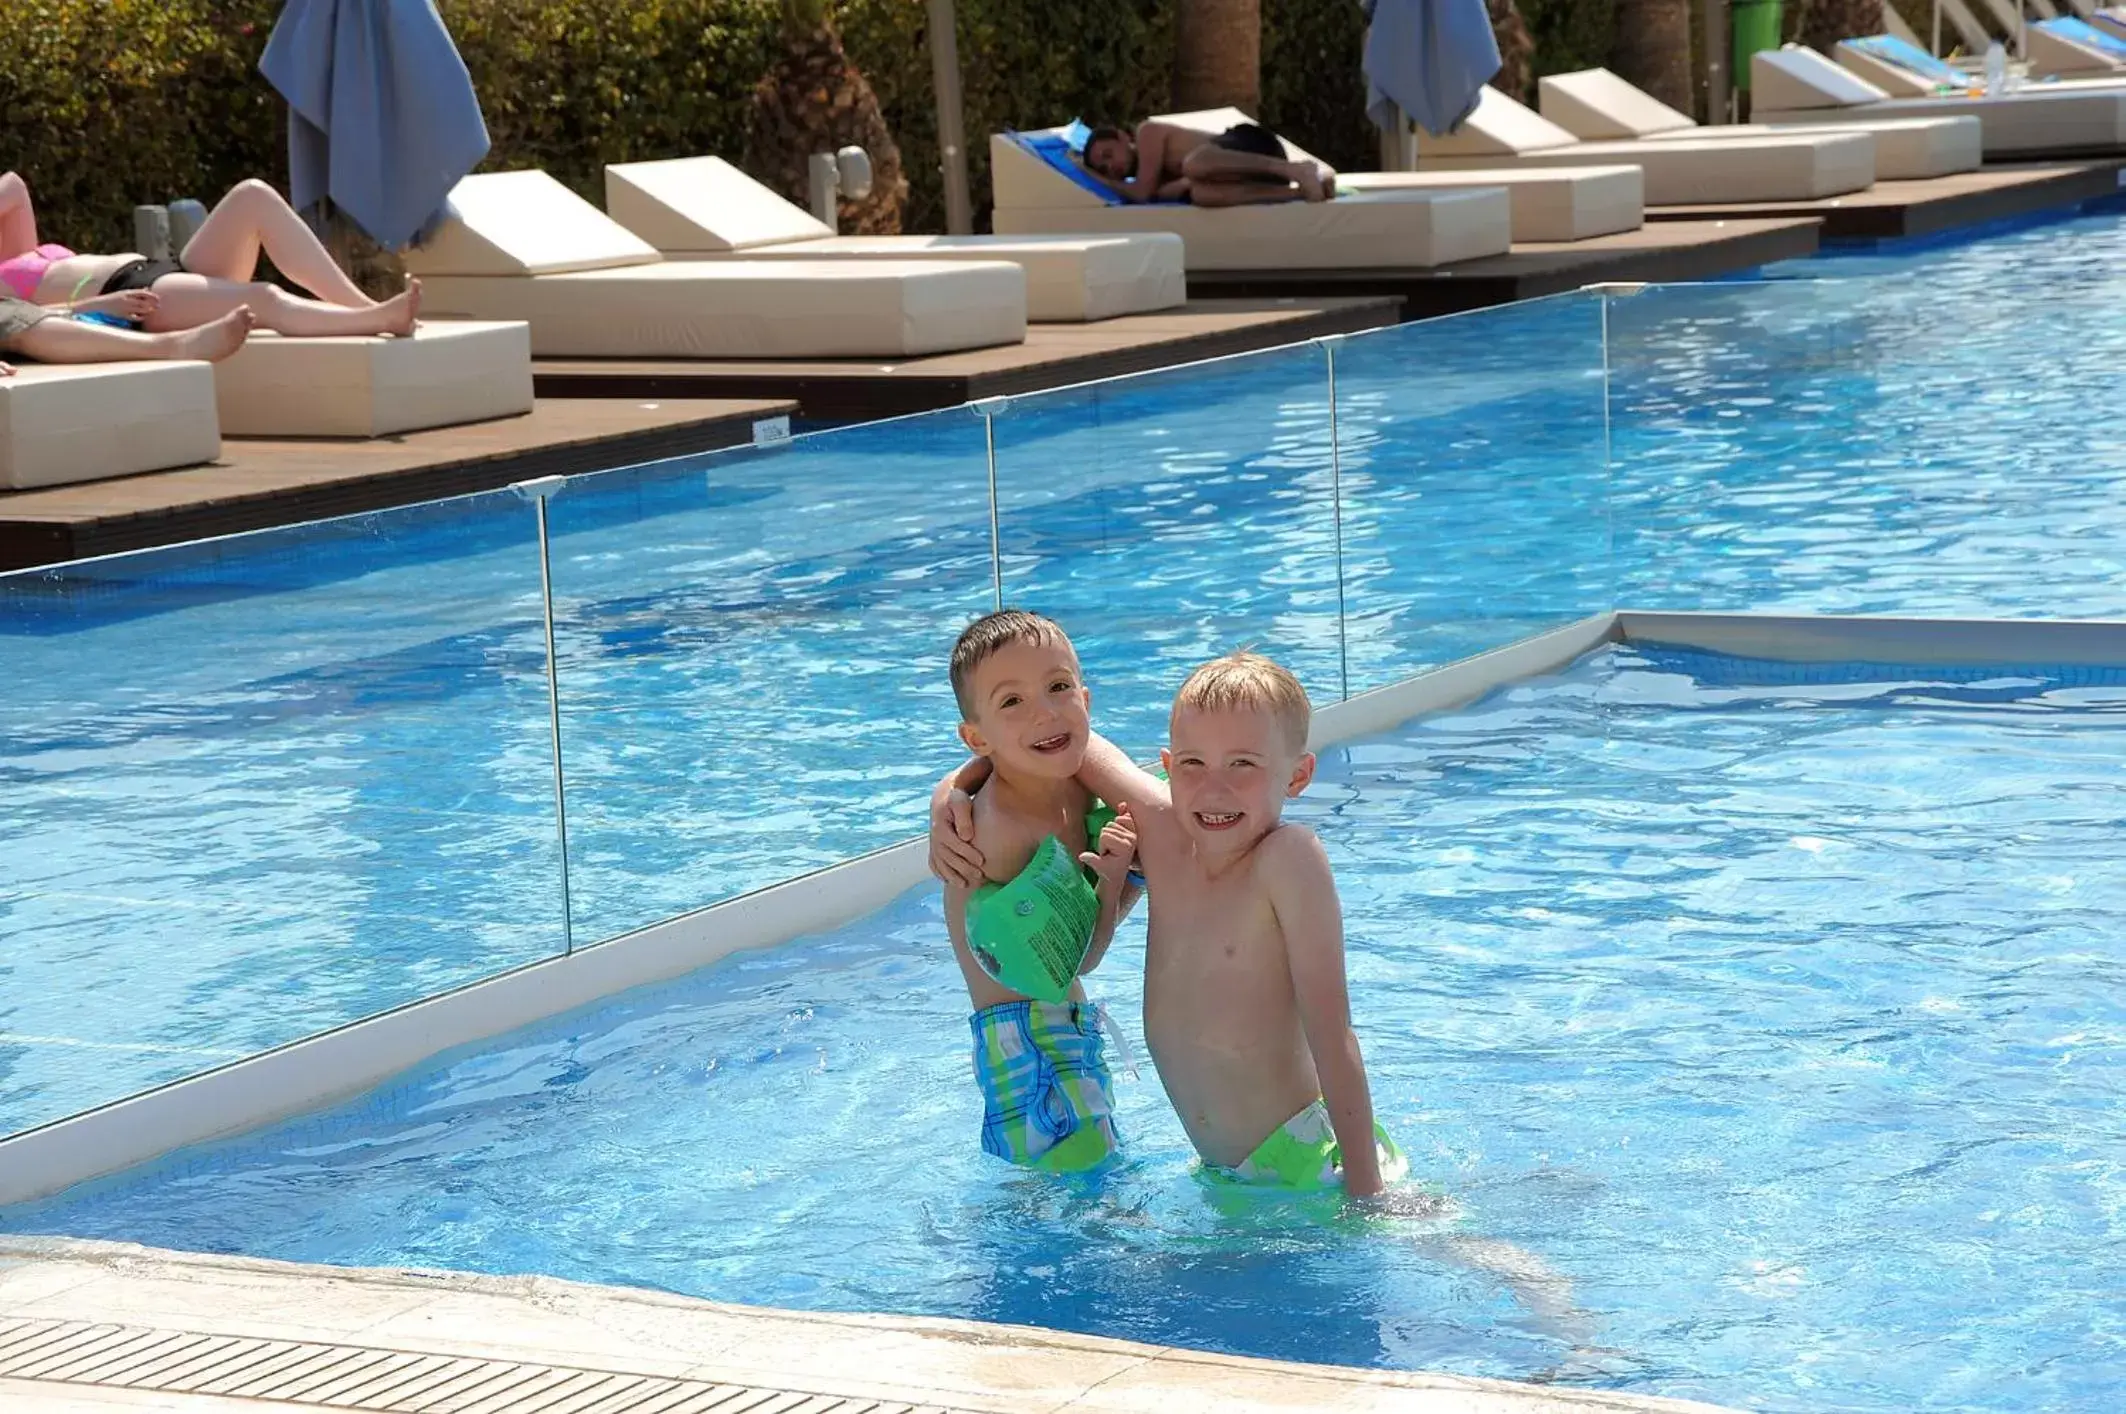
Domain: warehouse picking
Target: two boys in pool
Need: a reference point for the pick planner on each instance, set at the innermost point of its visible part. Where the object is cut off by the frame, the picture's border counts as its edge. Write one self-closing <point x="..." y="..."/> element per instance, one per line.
<point x="1245" y="1005"/>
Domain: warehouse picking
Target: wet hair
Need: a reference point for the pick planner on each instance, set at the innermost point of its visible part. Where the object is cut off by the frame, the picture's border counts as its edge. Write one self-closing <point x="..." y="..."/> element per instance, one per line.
<point x="982" y="639"/>
<point x="1249" y="682"/>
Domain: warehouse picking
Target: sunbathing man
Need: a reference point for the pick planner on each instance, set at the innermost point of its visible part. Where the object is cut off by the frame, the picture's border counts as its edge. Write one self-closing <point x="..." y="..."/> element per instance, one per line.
<point x="1244" y="165"/>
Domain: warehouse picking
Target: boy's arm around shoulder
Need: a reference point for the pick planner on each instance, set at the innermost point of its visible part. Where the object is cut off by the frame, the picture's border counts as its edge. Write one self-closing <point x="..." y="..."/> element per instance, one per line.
<point x="1302" y="891"/>
<point x="1109" y="773"/>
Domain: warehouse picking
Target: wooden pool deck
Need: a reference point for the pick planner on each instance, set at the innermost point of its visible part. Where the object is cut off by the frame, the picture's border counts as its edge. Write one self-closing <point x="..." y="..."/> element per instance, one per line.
<point x="88" y="1327"/>
<point x="1668" y="250"/>
<point x="1896" y="210"/>
<point x="259" y="483"/>
<point x="1053" y="356"/>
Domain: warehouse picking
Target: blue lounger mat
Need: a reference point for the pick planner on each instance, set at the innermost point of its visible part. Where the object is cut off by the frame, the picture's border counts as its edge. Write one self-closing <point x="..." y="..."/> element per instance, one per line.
<point x="1060" y="150"/>
<point x="1912" y="59"/>
<point x="2088" y="36"/>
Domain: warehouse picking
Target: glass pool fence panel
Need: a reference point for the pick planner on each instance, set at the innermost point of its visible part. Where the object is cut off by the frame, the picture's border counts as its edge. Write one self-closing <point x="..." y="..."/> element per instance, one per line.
<point x="1474" y="483"/>
<point x="752" y="651"/>
<point x="1886" y="443"/>
<point x="1168" y="518"/>
<point x="262" y="786"/>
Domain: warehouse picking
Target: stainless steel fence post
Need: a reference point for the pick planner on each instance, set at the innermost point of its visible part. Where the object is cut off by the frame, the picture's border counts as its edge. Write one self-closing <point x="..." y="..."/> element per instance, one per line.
<point x="538" y="492"/>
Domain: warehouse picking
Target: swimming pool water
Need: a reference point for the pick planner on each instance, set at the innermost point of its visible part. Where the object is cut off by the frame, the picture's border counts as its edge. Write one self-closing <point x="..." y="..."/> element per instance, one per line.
<point x="262" y="787"/>
<point x="1768" y="1028"/>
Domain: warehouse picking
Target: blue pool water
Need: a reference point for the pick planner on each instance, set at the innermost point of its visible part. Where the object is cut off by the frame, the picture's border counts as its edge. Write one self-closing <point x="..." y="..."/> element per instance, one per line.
<point x="1768" y="1028"/>
<point x="269" y="785"/>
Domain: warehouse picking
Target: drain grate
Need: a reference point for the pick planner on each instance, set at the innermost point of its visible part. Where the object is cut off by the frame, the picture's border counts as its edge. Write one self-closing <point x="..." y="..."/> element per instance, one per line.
<point x="366" y="1378"/>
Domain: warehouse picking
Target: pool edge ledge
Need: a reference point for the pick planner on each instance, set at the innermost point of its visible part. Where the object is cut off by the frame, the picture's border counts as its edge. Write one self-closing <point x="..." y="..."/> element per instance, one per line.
<point x="546" y="1323"/>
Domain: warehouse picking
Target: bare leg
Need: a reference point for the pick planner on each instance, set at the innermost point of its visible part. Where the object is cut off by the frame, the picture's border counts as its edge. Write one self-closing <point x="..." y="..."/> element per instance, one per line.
<point x="187" y="300"/>
<point x="253" y="216"/>
<point x="1211" y="163"/>
<point x="59" y="340"/>
<point x="1243" y="193"/>
<point x="18" y="217"/>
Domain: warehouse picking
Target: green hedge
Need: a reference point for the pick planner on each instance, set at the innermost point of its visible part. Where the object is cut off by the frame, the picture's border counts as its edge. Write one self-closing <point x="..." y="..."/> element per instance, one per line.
<point x="108" y="103"/>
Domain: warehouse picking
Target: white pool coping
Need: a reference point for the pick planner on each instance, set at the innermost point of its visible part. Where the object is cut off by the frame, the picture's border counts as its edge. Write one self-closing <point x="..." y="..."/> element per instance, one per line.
<point x="318" y="1070"/>
<point x="328" y="1317"/>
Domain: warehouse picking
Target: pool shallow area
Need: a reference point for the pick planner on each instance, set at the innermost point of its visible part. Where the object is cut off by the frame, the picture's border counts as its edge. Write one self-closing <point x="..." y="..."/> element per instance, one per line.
<point x="1764" y="1025"/>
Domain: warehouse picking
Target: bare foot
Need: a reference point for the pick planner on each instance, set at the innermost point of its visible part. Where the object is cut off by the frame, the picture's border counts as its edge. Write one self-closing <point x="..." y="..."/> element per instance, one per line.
<point x="1310" y="185"/>
<point x="402" y="310"/>
<point x="216" y="341"/>
<point x="1328" y="183"/>
<point x="7" y="370"/>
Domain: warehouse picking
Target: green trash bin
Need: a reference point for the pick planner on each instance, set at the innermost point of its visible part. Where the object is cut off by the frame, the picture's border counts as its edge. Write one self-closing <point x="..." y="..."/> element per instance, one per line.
<point x="1755" y="25"/>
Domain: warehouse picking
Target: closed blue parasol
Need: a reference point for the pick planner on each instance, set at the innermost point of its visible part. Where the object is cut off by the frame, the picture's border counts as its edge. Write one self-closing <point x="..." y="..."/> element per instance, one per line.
<point x="383" y="119"/>
<point x="1430" y="58"/>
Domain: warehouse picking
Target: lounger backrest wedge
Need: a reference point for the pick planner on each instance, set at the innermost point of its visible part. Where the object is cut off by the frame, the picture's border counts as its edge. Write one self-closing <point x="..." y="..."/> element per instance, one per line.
<point x="1040" y="189"/>
<point x="2062" y="48"/>
<point x="519" y="245"/>
<point x="1595" y="105"/>
<point x="703" y="208"/>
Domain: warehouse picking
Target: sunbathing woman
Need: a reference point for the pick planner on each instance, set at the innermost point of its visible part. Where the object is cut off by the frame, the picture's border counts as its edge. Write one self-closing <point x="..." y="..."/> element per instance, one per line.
<point x="214" y="275"/>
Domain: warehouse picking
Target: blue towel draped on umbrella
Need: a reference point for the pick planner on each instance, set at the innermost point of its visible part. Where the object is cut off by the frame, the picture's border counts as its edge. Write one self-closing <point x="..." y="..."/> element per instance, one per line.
<point x="383" y="119"/>
<point x="1430" y="58"/>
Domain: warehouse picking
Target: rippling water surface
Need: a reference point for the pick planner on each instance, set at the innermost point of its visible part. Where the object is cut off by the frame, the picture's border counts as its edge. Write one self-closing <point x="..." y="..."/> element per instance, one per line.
<point x="1768" y="1038"/>
<point x="270" y="784"/>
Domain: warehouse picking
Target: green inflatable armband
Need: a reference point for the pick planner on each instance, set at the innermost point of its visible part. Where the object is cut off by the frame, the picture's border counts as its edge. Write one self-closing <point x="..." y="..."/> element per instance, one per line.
<point x="1032" y="933"/>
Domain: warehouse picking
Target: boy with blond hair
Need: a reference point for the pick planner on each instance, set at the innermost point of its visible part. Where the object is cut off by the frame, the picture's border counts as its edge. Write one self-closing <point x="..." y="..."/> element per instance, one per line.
<point x="1246" y="1009"/>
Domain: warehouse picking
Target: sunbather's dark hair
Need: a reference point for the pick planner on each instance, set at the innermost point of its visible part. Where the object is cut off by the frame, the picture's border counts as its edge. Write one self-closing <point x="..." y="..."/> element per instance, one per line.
<point x="1103" y="132"/>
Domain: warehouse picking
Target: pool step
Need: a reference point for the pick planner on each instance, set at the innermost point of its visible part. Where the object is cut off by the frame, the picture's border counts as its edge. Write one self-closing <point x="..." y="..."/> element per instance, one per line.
<point x="329" y="1376"/>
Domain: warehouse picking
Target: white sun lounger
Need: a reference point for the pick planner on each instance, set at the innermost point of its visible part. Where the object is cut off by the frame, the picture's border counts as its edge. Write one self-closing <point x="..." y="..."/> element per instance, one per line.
<point x="703" y="208"/>
<point x="62" y="423"/>
<point x="1904" y="70"/>
<point x="1679" y="172"/>
<point x="1549" y="204"/>
<point x="522" y="246"/>
<point x="1597" y="106"/>
<point x="1796" y="86"/>
<point x="1039" y="191"/>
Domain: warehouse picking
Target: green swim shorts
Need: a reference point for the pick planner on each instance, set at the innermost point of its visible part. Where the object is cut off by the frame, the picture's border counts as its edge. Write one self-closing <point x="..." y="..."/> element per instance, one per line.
<point x="1302" y="1155"/>
<point x="1046" y="1094"/>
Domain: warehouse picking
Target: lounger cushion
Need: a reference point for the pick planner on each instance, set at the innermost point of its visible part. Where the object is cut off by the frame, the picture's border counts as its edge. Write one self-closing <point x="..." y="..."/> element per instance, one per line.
<point x="1906" y="149"/>
<point x="447" y="373"/>
<point x="1596" y="105"/>
<point x="524" y="223"/>
<point x="84" y="422"/>
<point x="1360" y="229"/>
<point x="752" y="309"/>
<point x="1549" y="203"/>
<point x="704" y="208"/>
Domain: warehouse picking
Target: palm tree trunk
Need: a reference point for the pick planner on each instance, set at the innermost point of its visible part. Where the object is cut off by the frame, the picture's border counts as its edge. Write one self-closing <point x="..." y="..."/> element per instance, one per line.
<point x="1218" y="55"/>
<point x="1652" y="49"/>
<point x="1516" y="51"/>
<point x="1825" y="22"/>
